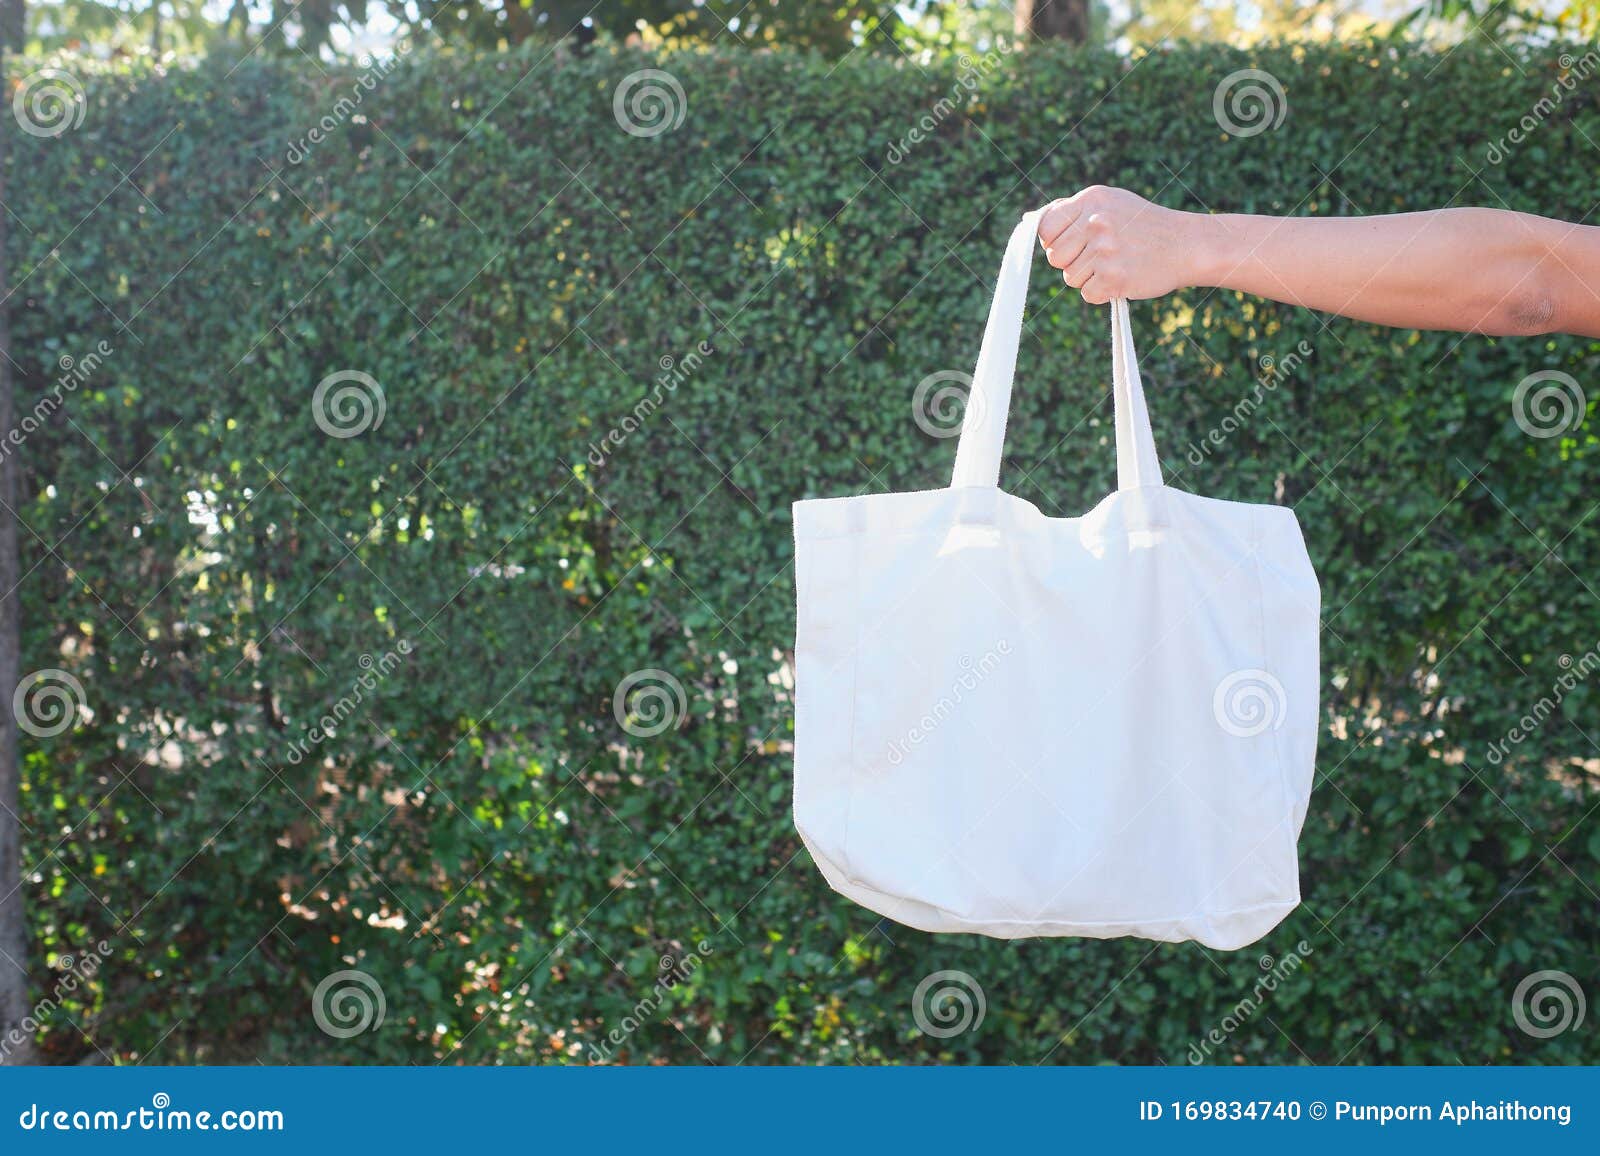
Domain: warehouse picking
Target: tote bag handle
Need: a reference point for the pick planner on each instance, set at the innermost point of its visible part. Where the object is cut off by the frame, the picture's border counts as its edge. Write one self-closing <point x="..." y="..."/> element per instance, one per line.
<point x="983" y="432"/>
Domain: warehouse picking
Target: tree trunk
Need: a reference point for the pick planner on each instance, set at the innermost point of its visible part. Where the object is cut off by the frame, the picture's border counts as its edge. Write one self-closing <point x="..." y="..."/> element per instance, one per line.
<point x="13" y="925"/>
<point x="519" y="22"/>
<point x="1053" y="20"/>
<point x="13" y="25"/>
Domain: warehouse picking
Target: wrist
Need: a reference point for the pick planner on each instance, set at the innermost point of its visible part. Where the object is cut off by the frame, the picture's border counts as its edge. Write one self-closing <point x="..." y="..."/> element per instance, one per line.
<point x="1205" y="249"/>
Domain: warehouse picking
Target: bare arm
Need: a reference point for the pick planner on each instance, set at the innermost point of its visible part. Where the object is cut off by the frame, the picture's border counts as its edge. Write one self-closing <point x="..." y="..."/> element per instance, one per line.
<point x="1474" y="270"/>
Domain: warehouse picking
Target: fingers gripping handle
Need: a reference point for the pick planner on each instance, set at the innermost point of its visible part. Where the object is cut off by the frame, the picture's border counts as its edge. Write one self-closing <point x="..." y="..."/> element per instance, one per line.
<point x="983" y="431"/>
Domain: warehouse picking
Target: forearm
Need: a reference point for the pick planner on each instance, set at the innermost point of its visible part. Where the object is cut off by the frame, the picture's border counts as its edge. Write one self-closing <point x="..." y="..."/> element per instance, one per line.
<point x="1482" y="270"/>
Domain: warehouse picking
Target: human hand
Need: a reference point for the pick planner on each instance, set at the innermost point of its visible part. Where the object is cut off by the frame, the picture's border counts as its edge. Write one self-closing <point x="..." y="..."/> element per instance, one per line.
<point x="1109" y="242"/>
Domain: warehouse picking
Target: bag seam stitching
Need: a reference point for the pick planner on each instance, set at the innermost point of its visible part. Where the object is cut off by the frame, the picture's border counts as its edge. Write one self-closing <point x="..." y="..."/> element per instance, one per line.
<point x="855" y="694"/>
<point x="1286" y="818"/>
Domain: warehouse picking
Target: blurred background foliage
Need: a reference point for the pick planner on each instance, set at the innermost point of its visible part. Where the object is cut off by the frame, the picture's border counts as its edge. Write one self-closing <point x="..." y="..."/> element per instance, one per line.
<point x="323" y="29"/>
<point x="480" y="834"/>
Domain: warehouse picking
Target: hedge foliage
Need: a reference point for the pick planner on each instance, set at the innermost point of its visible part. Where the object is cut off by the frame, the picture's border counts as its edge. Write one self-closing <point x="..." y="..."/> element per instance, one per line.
<point x="464" y="586"/>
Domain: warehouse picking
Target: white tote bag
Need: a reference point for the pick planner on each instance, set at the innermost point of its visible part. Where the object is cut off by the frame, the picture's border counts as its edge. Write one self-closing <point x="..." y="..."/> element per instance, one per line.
<point x="1021" y="725"/>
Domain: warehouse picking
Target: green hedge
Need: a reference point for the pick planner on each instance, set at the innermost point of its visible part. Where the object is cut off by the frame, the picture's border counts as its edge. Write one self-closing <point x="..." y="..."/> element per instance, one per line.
<point x="462" y="589"/>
